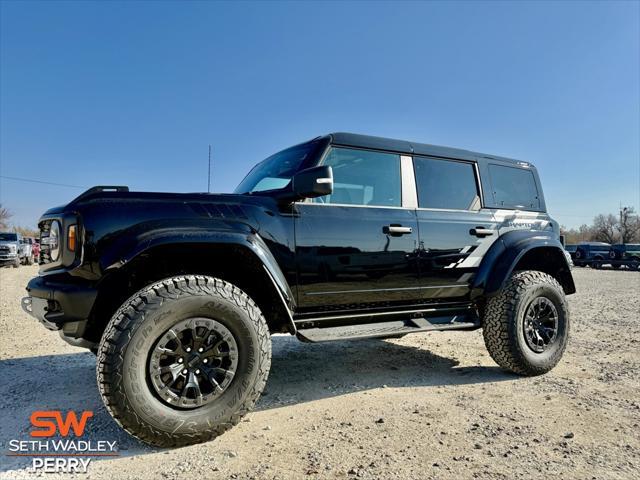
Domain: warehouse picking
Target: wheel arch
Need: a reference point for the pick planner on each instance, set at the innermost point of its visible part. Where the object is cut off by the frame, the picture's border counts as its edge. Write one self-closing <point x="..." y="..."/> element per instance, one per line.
<point x="522" y="250"/>
<point x="239" y="258"/>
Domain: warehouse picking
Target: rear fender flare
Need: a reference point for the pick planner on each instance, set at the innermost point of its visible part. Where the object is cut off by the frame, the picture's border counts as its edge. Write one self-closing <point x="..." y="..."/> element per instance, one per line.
<point x="504" y="255"/>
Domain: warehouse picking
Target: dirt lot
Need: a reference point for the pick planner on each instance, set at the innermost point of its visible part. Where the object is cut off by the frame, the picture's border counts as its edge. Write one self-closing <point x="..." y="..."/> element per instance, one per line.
<point x="424" y="406"/>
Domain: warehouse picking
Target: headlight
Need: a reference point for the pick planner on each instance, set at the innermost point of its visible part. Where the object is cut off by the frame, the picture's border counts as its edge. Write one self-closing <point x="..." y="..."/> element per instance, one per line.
<point x="12" y="248"/>
<point x="54" y="241"/>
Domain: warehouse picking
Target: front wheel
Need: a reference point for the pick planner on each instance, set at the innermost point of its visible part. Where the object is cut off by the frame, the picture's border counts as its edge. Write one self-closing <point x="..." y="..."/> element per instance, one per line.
<point x="183" y="360"/>
<point x="526" y="325"/>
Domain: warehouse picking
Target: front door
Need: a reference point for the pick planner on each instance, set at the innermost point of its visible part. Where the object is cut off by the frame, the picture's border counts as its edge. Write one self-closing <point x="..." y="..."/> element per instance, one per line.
<point x="357" y="247"/>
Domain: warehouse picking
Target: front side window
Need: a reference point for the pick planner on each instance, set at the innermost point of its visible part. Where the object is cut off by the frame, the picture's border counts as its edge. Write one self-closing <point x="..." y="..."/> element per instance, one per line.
<point x="362" y="177"/>
<point x="445" y="184"/>
<point x="276" y="171"/>
<point x="514" y="187"/>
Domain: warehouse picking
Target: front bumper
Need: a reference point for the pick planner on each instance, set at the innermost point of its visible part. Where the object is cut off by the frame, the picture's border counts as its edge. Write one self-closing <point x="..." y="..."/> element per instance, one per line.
<point x="8" y="259"/>
<point x="59" y="305"/>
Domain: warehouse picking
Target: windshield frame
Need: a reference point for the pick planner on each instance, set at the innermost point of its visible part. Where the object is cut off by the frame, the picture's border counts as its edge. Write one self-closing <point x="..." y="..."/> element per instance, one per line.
<point x="317" y="148"/>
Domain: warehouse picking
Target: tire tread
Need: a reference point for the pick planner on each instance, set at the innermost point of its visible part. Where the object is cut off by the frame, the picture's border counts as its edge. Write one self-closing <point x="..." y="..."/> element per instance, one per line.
<point x="119" y="332"/>
<point x="501" y="311"/>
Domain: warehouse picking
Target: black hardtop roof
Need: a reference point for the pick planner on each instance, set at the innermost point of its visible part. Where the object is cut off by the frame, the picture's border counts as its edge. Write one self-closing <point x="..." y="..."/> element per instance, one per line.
<point x="404" y="146"/>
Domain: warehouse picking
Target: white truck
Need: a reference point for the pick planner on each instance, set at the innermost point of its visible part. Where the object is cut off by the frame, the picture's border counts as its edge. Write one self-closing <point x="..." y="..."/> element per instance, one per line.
<point x="14" y="250"/>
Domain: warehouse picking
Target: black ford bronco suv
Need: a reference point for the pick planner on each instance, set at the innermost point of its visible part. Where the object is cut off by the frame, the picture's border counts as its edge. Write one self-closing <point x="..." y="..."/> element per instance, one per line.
<point x="342" y="237"/>
<point x="591" y="254"/>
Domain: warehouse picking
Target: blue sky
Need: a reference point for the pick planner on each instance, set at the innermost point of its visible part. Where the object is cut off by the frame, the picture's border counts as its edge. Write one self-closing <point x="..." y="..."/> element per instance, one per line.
<point x="133" y="93"/>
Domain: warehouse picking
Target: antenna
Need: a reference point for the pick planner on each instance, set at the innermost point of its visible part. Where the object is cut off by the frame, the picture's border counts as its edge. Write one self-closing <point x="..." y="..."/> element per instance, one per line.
<point x="209" y="174"/>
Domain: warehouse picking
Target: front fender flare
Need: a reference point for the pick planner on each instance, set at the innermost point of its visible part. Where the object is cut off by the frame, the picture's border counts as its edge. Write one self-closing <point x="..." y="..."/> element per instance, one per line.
<point x="245" y="238"/>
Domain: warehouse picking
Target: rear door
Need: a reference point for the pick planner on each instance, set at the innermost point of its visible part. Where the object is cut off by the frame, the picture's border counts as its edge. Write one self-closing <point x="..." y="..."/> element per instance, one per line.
<point x="455" y="231"/>
<point x="357" y="247"/>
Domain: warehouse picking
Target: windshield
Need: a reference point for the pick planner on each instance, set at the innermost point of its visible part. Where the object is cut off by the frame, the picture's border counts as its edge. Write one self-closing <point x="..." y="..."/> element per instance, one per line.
<point x="8" y="237"/>
<point x="276" y="171"/>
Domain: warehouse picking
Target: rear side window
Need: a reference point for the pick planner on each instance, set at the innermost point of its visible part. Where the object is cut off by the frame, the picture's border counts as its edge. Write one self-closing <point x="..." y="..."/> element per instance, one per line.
<point x="445" y="184"/>
<point x="514" y="187"/>
<point x="362" y="177"/>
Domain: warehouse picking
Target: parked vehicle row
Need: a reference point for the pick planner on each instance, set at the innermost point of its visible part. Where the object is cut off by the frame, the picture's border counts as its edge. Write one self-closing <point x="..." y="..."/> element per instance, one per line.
<point x="16" y="249"/>
<point x="598" y="254"/>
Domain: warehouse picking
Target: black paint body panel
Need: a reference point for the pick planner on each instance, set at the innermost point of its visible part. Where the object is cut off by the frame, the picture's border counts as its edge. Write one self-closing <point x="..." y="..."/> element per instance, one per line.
<point x="323" y="258"/>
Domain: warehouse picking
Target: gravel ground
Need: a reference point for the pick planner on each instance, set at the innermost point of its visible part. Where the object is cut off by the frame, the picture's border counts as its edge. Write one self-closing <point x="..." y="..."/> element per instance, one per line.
<point x="424" y="406"/>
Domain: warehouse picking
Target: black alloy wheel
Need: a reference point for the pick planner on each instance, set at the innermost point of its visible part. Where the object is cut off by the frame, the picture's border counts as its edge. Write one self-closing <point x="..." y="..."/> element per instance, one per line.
<point x="193" y="362"/>
<point x="540" y="324"/>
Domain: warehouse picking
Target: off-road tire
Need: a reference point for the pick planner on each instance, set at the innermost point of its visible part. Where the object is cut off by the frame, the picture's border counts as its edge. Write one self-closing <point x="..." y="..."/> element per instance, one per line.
<point x="503" y="325"/>
<point x="126" y="344"/>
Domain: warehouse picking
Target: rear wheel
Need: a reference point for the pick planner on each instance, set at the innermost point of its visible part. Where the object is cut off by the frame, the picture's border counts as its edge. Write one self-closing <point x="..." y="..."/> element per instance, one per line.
<point x="526" y="325"/>
<point x="183" y="360"/>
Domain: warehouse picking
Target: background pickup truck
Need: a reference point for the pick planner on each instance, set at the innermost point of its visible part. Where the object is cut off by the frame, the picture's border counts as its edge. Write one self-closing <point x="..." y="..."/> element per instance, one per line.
<point x="12" y="250"/>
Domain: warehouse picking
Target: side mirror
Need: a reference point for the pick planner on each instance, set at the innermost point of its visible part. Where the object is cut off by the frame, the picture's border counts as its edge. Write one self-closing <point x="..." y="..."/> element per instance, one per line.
<point x="313" y="182"/>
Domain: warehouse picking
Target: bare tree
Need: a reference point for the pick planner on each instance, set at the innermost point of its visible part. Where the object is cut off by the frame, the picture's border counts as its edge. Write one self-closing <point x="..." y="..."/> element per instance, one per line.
<point x="605" y="228"/>
<point x="629" y="225"/>
<point x="5" y="215"/>
<point x="586" y="232"/>
<point x="27" y="232"/>
<point x="576" y="235"/>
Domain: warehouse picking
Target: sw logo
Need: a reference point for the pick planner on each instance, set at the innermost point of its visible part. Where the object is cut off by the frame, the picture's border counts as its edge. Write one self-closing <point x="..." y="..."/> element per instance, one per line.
<point x="45" y="421"/>
<point x="56" y="445"/>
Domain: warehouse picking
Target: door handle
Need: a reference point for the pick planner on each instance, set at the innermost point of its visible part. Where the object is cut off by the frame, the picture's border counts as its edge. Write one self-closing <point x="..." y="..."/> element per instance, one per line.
<point x="396" y="230"/>
<point x="481" y="232"/>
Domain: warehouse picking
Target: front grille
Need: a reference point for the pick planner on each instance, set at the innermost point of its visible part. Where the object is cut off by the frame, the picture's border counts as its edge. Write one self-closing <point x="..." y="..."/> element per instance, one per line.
<point x="45" y="255"/>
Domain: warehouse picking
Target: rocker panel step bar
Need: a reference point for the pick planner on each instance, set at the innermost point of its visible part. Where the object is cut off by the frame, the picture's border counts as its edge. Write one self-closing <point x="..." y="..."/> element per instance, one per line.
<point x="395" y="328"/>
